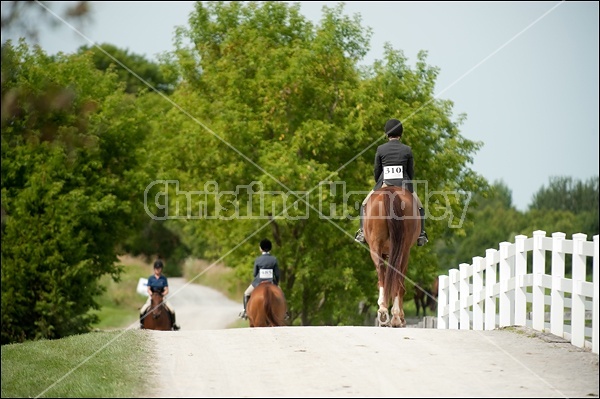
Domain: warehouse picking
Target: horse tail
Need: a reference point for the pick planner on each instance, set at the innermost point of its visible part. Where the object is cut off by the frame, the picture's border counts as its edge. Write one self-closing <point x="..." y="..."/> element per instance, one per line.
<point x="394" y="274"/>
<point x="271" y="305"/>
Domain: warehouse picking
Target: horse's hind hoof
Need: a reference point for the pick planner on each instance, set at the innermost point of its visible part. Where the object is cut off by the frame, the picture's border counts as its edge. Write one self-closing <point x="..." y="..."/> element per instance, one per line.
<point x="383" y="319"/>
<point x="398" y="322"/>
<point x="383" y="324"/>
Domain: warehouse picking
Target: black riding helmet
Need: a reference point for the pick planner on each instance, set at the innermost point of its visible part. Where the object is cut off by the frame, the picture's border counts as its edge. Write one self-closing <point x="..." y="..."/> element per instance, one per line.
<point x="393" y="128"/>
<point x="158" y="264"/>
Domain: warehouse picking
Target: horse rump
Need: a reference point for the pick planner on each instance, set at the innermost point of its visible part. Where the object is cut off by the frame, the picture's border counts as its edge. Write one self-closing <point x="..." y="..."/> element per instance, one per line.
<point x="267" y="306"/>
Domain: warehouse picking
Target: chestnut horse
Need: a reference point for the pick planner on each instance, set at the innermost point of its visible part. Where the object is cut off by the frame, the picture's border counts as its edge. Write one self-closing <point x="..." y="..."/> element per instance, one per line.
<point x="266" y="306"/>
<point x="157" y="317"/>
<point x="392" y="225"/>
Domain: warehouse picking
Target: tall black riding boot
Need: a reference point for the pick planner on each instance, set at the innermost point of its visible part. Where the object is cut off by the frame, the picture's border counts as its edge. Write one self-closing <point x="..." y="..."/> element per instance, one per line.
<point x="243" y="314"/>
<point x="360" y="237"/>
<point x="422" y="240"/>
<point x="173" y="324"/>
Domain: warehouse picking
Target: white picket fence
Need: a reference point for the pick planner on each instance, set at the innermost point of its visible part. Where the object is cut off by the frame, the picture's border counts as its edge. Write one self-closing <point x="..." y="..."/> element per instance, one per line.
<point x="502" y="290"/>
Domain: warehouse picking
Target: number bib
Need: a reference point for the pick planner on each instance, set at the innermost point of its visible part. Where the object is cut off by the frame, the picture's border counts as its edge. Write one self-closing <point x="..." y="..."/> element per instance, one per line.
<point x="393" y="172"/>
<point x="265" y="273"/>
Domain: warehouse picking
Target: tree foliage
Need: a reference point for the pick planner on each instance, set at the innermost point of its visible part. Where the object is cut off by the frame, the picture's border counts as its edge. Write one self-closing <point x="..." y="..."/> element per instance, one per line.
<point x="135" y="70"/>
<point x="577" y="197"/>
<point x="69" y="159"/>
<point x="495" y="220"/>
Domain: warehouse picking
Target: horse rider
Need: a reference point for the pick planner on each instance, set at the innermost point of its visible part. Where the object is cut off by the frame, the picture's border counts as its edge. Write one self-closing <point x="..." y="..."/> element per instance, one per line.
<point x="266" y="268"/>
<point x="158" y="282"/>
<point x="394" y="166"/>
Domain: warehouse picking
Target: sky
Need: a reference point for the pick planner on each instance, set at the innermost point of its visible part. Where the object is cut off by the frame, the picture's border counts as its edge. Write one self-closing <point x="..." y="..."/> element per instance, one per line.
<point x="525" y="74"/>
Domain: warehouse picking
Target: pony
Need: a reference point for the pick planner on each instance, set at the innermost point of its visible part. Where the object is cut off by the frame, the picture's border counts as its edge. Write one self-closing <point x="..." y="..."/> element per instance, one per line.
<point x="392" y="225"/>
<point x="157" y="317"/>
<point x="426" y="298"/>
<point x="267" y="306"/>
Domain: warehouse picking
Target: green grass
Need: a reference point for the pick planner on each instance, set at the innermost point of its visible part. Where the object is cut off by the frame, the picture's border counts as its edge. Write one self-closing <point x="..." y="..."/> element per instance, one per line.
<point x="120" y="303"/>
<point x="99" y="364"/>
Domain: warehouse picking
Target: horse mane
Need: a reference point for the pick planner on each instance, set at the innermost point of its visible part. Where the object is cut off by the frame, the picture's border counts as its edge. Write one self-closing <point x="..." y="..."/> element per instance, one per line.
<point x="156" y="294"/>
<point x="399" y="239"/>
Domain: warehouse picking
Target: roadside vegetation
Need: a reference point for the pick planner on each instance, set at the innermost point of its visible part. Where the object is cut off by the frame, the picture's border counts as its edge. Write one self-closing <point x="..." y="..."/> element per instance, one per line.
<point x="110" y="364"/>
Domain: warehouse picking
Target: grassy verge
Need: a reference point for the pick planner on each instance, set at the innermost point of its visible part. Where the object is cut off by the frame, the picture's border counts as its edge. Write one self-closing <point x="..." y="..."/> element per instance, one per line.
<point x="120" y="303"/>
<point x="100" y="364"/>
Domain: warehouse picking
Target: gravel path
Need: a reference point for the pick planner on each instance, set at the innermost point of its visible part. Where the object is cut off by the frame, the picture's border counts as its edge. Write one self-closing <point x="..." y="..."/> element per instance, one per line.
<point x="206" y="360"/>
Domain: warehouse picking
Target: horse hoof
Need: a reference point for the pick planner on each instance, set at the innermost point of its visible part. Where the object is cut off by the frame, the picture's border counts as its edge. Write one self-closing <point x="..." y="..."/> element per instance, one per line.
<point x="398" y="322"/>
<point x="383" y="319"/>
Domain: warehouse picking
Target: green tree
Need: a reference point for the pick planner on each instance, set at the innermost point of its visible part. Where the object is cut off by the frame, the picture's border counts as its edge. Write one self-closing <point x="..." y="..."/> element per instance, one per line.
<point x="143" y="78"/>
<point x="270" y="102"/>
<point x="69" y="178"/>
<point x="135" y="70"/>
<point x="494" y="220"/>
<point x="570" y="195"/>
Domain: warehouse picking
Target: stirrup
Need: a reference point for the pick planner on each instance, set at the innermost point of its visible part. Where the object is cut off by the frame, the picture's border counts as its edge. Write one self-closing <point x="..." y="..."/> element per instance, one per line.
<point x="243" y="315"/>
<point x="359" y="237"/>
<point x="176" y="327"/>
<point x="422" y="240"/>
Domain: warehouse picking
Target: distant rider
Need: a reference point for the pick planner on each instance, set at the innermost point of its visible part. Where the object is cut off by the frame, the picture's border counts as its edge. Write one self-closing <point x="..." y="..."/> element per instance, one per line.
<point x="158" y="282"/>
<point x="266" y="268"/>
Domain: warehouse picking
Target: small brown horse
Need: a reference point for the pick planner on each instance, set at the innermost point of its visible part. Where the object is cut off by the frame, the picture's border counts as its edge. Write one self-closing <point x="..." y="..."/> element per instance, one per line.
<point x="426" y="298"/>
<point x="267" y="306"/>
<point x="157" y="316"/>
<point x="392" y="225"/>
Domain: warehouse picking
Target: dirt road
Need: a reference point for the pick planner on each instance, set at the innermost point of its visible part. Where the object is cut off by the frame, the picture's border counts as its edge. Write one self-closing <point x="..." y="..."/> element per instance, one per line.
<point x="201" y="308"/>
<point x="206" y="360"/>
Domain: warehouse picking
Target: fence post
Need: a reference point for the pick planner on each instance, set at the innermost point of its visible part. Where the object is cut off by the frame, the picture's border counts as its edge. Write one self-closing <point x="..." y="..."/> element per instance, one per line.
<point x="577" y="297"/>
<point x="507" y="296"/>
<point x="557" y="306"/>
<point x="596" y="274"/>
<point x="464" y="293"/>
<point x="490" y="281"/>
<point x="478" y="268"/>
<point x="453" y="288"/>
<point x="520" y="288"/>
<point x="442" y="308"/>
<point x="539" y="269"/>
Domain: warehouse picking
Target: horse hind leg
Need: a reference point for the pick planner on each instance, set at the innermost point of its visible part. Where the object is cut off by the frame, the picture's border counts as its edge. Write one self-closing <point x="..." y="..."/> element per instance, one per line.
<point x="383" y="317"/>
<point x="397" y="314"/>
